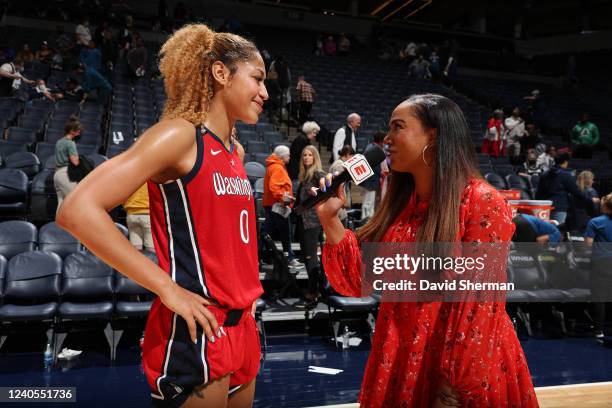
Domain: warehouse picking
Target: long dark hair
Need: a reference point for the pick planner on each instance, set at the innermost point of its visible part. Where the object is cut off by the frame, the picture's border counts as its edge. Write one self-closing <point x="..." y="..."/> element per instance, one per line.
<point x="454" y="164"/>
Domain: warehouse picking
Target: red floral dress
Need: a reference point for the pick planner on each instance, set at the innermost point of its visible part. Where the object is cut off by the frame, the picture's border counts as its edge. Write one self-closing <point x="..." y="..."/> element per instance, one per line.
<point x="417" y="345"/>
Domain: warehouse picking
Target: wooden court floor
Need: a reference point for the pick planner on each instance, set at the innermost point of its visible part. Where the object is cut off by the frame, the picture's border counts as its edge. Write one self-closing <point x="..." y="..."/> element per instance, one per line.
<point x="592" y="395"/>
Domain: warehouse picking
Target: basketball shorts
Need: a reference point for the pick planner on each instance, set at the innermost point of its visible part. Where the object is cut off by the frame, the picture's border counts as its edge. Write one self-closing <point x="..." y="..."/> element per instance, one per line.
<point x="174" y="365"/>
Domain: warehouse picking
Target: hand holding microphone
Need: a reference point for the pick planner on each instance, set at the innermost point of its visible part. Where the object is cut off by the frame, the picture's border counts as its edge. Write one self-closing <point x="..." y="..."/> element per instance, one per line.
<point x="357" y="169"/>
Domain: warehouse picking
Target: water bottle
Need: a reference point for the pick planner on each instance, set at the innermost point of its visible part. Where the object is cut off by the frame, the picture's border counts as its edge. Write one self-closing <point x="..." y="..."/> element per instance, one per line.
<point x="48" y="356"/>
<point x="346" y="337"/>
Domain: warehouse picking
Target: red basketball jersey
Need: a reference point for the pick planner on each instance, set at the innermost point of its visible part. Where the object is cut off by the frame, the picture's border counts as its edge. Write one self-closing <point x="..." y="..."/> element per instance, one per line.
<point x="204" y="227"/>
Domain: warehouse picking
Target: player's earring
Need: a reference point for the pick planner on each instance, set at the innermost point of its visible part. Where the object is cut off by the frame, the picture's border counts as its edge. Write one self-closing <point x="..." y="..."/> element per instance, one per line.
<point x="423" y="155"/>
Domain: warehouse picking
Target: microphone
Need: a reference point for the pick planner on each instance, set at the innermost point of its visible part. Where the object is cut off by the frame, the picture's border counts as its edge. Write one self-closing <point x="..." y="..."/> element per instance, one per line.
<point x="356" y="169"/>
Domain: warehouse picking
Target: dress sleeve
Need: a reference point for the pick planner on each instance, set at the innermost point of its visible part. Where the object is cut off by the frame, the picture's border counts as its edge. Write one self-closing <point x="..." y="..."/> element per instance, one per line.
<point x="342" y="265"/>
<point x="475" y="330"/>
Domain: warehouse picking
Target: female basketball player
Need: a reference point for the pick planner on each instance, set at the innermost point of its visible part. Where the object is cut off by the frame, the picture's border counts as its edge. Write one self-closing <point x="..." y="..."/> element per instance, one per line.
<point x="201" y="345"/>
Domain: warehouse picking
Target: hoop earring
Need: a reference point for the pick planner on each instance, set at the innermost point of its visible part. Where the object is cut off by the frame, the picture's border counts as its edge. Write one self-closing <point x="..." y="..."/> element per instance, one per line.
<point x="423" y="155"/>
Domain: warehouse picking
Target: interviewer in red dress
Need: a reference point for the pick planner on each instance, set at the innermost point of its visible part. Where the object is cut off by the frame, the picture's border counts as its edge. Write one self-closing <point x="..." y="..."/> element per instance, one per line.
<point x="436" y="354"/>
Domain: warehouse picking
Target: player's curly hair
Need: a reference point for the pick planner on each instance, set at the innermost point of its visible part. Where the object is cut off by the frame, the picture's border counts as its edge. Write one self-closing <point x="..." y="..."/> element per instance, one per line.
<point x="186" y="61"/>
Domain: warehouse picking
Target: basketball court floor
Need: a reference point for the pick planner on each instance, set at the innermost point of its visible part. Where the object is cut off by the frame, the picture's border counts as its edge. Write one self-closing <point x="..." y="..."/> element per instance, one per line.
<point x="296" y="371"/>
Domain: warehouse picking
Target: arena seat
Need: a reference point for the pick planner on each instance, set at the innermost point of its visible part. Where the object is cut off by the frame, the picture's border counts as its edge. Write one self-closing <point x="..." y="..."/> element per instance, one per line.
<point x="52" y="135"/>
<point x="34" y="123"/>
<point x="272" y="137"/>
<point x="3" y="264"/>
<point x="87" y="294"/>
<point x="32" y="290"/>
<point x="263" y="127"/>
<point x="260" y="158"/>
<point x="125" y="288"/>
<point x="260" y="307"/>
<point x="52" y="238"/>
<point x="259" y="187"/>
<point x="13" y="192"/>
<point x="132" y="301"/>
<point x="97" y="159"/>
<point x="496" y="181"/>
<point x="21" y="135"/>
<point x="514" y="181"/>
<point x="44" y="150"/>
<point x="337" y="303"/>
<point x="254" y="146"/>
<point x="43" y="197"/>
<point x="24" y="161"/>
<point x="254" y="171"/>
<point x="114" y="150"/>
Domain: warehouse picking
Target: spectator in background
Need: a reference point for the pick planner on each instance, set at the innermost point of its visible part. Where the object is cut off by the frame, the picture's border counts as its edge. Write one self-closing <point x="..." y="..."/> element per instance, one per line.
<point x="309" y="227"/>
<point x="514" y="127"/>
<point x="305" y="95"/>
<point x="346" y="135"/>
<point x="557" y="184"/>
<point x="91" y="57"/>
<point x="138" y="220"/>
<point x="41" y="91"/>
<point x="63" y="41"/>
<point x="531" y="138"/>
<point x="274" y="92"/>
<point x="419" y="68"/>
<point x="493" y="142"/>
<point x="450" y="70"/>
<point x="99" y="32"/>
<point x="372" y="184"/>
<point x="66" y="153"/>
<point x="409" y="53"/>
<point x="25" y="54"/>
<point x="330" y="46"/>
<point x="308" y="135"/>
<point x="126" y="35"/>
<point x="83" y="34"/>
<point x="547" y="159"/>
<point x="137" y="59"/>
<point x="534" y="103"/>
<point x="530" y="167"/>
<point x="277" y="199"/>
<point x="45" y="53"/>
<point x="74" y="91"/>
<point x="267" y="57"/>
<point x="94" y="81"/>
<point x="283" y="74"/>
<point x="585" y="136"/>
<point x="344" y="45"/>
<point x="434" y="64"/>
<point x="345" y="153"/>
<point x="319" y="50"/>
<point x="109" y="51"/>
<point x="11" y="77"/>
<point x="599" y="235"/>
<point x="580" y="211"/>
<point x="534" y="229"/>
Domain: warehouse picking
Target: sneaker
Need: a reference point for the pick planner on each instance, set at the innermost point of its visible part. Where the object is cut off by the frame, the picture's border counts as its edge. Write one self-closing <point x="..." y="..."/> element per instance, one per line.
<point x="599" y="335"/>
<point x="67" y="354"/>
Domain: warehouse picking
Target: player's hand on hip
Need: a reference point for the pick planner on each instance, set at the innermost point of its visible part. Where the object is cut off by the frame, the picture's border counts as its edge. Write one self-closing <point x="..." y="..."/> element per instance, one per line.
<point x="191" y="307"/>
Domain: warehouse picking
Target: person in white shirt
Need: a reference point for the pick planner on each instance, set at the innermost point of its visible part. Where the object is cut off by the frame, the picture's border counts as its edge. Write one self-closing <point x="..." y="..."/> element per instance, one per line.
<point x="83" y="35"/>
<point x="547" y="159"/>
<point x="341" y="138"/>
<point x="515" y="130"/>
<point x="11" y="77"/>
